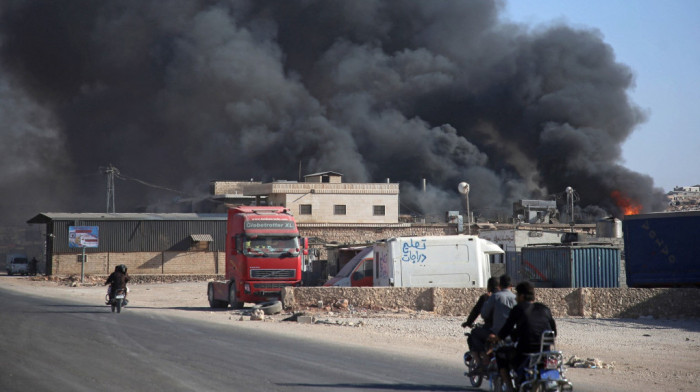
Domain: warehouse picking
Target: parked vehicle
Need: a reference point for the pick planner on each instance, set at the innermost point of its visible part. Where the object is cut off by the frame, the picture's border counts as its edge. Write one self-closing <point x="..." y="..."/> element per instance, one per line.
<point x="433" y="261"/>
<point x="17" y="263"/>
<point x="263" y="255"/>
<point x="358" y="272"/>
<point x="119" y="300"/>
<point x="661" y="249"/>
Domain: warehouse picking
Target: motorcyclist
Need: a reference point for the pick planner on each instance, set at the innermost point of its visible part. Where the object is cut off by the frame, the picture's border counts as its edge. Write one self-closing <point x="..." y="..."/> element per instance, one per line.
<point x="117" y="280"/>
<point x="529" y="319"/>
<point x="477" y="337"/>
<point x="496" y="310"/>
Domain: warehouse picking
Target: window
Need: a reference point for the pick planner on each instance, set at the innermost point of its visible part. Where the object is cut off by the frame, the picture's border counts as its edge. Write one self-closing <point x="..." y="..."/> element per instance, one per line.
<point x="304" y="209"/>
<point x="379" y="210"/>
<point x="325" y="178"/>
<point x="339" y="209"/>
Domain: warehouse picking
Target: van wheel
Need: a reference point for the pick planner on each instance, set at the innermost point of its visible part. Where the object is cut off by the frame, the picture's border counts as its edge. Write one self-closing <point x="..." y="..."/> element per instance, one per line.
<point x="271" y="307"/>
<point x="232" y="299"/>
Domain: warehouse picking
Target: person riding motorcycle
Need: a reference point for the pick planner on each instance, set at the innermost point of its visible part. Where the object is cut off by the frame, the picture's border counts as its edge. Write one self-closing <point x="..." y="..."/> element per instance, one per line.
<point x="477" y="337"/>
<point x="496" y="310"/>
<point x="117" y="280"/>
<point x="525" y="324"/>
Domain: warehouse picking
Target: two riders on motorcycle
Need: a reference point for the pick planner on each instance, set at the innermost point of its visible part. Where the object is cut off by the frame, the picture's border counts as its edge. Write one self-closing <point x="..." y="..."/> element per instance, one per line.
<point x="117" y="280"/>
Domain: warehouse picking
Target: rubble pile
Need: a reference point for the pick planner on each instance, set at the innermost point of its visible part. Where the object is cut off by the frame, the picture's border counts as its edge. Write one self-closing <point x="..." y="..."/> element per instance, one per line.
<point x="590" y="363"/>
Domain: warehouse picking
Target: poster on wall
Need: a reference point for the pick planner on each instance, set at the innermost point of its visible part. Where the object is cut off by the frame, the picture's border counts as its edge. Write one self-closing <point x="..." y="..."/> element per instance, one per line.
<point x="83" y="236"/>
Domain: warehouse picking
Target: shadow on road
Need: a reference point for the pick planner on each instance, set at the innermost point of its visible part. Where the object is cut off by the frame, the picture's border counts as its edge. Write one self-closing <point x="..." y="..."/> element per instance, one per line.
<point x="185" y="308"/>
<point x="385" y="387"/>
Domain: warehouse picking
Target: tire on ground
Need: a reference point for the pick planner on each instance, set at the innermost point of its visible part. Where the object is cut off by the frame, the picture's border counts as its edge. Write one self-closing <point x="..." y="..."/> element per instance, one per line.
<point x="270" y="307"/>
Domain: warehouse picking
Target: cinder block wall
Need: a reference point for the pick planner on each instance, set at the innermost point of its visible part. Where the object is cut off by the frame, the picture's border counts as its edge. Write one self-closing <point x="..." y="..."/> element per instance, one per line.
<point x="142" y="263"/>
<point x="185" y="263"/>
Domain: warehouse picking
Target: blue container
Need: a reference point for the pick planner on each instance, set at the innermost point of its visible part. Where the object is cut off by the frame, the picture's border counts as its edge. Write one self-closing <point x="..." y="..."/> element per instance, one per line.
<point x="571" y="266"/>
<point x="662" y="249"/>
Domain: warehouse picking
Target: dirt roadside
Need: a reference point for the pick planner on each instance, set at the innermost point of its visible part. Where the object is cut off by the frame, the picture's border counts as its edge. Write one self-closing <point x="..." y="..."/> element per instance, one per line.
<point x="642" y="354"/>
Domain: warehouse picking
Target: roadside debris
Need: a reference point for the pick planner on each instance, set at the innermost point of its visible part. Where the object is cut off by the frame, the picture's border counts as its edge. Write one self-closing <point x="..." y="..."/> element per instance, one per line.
<point x="257" y="315"/>
<point x="590" y="363"/>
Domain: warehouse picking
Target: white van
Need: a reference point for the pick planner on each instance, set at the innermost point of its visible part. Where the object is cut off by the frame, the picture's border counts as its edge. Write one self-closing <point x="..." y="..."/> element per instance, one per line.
<point x="17" y="263"/>
<point x="434" y="261"/>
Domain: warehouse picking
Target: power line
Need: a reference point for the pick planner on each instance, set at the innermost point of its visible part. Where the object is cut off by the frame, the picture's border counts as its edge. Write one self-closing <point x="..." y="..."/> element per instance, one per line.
<point x="113" y="172"/>
<point x="142" y="182"/>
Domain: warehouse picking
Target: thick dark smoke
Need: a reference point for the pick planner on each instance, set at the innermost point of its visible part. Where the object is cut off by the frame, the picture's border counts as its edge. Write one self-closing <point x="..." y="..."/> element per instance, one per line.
<point x="180" y="92"/>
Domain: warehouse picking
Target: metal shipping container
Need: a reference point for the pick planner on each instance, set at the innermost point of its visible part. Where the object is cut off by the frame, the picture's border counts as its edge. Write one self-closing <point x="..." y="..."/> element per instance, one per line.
<point x="662" y="249"/>
<point x="572" y="266"/>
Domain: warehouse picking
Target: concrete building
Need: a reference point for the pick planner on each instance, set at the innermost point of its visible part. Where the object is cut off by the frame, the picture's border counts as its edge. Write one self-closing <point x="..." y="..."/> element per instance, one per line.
<point x="324" y="198"/>
<point x="535" y="211"/>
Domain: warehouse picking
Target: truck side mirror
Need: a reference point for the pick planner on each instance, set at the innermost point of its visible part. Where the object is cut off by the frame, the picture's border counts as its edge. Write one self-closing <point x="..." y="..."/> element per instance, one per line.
<point x="305" y="246"/>
<point x="236" y="244"/>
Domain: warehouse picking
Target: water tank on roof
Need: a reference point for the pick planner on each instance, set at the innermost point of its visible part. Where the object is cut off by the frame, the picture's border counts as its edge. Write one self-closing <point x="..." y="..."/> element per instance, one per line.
<point x="608" y="228"/>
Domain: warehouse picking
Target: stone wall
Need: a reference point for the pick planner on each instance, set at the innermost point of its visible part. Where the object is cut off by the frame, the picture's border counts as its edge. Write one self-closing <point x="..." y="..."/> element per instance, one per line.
<point x="366" y="234"/>
<point x="566" y="302"/>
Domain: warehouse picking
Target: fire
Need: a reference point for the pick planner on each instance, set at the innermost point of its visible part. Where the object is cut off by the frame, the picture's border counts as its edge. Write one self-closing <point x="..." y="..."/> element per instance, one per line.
<point x="626" y="205"/>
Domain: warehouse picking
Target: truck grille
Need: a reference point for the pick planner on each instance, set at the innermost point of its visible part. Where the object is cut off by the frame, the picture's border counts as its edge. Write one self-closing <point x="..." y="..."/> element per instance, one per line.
<point x="270" y="285"/>
<point x="273" y="273"/>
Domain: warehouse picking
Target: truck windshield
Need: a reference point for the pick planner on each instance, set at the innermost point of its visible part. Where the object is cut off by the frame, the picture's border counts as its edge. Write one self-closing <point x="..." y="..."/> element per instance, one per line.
<point x="20" y="260"/>
<point x="271" y="246"/>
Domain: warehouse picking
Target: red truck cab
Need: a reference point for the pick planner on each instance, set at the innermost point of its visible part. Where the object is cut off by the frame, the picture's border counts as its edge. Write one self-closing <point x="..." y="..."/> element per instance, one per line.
<point x="263" y="255"/>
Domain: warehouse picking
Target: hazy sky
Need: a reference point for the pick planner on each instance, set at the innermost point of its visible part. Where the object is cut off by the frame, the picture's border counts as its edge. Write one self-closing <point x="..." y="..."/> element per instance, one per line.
<point x="660" y="42"/>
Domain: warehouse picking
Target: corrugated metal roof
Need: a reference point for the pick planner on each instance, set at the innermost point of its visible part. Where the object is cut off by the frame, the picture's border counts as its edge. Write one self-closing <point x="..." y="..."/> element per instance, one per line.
<point x="201" y="237"/>
<point x="45" y="217"/>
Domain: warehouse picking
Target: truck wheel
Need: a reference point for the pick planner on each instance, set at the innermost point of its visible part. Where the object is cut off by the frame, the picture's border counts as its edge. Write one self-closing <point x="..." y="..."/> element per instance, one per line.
<point x="235" y="304"/>
<point x="214" y="303"/>
<point x="271" y="307"/>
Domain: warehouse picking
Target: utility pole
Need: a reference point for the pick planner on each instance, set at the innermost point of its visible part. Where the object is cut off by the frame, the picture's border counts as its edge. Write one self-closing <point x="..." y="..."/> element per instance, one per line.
<point x="111" y="171"/>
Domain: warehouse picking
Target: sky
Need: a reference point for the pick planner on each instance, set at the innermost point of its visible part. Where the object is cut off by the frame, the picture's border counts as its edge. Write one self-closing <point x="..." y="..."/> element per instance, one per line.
<point x="660" y="42"/>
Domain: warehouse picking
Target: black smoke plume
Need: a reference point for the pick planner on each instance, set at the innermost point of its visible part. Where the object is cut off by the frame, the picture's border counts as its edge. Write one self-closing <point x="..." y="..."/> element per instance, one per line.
<point x="180" y="92"/>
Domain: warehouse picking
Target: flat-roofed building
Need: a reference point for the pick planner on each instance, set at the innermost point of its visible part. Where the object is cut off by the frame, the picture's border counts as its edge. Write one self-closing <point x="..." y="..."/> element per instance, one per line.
<point x="324" y="198"/>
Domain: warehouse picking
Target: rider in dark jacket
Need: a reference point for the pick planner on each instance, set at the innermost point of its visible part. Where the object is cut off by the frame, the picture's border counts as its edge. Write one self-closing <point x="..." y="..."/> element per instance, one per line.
<point x="525" y="325"/>
<point x="478" y="336"/>
<point x="117" y="280"/>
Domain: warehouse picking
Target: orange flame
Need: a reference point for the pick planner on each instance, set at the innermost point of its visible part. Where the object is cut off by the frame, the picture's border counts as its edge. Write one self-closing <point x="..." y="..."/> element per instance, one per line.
<point x="626" y="205"/>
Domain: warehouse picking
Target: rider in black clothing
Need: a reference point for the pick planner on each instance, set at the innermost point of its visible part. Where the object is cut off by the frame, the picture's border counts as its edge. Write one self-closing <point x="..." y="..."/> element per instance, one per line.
<point x="117" y="280"/>
<point x="477" y="338"/>
<point x="529" y="319"/>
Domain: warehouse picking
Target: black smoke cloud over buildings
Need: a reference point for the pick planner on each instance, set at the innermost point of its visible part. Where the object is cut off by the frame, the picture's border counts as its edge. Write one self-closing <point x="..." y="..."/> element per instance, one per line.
<point x="180" y="92"/>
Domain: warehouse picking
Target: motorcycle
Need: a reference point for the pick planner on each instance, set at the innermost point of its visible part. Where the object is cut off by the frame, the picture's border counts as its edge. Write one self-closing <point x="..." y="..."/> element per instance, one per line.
<point x="491" y="373"/>
<point x="118" y="301"/>
<point x="543" y="371"/>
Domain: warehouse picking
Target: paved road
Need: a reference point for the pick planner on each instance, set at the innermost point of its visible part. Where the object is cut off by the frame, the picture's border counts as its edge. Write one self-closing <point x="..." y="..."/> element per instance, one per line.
<point x="51" y="345"/>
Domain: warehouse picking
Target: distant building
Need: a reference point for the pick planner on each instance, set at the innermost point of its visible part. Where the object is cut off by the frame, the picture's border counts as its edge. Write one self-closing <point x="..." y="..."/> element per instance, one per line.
<point x="232" y="192"/>
<point x="535" y="211"/>
<point x="321" y="198"/>
<point x="684" y="198"/>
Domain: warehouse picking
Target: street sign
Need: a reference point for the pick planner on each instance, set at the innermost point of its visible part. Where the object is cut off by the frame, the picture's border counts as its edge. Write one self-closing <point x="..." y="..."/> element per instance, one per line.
<point x="83" y="236"/>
